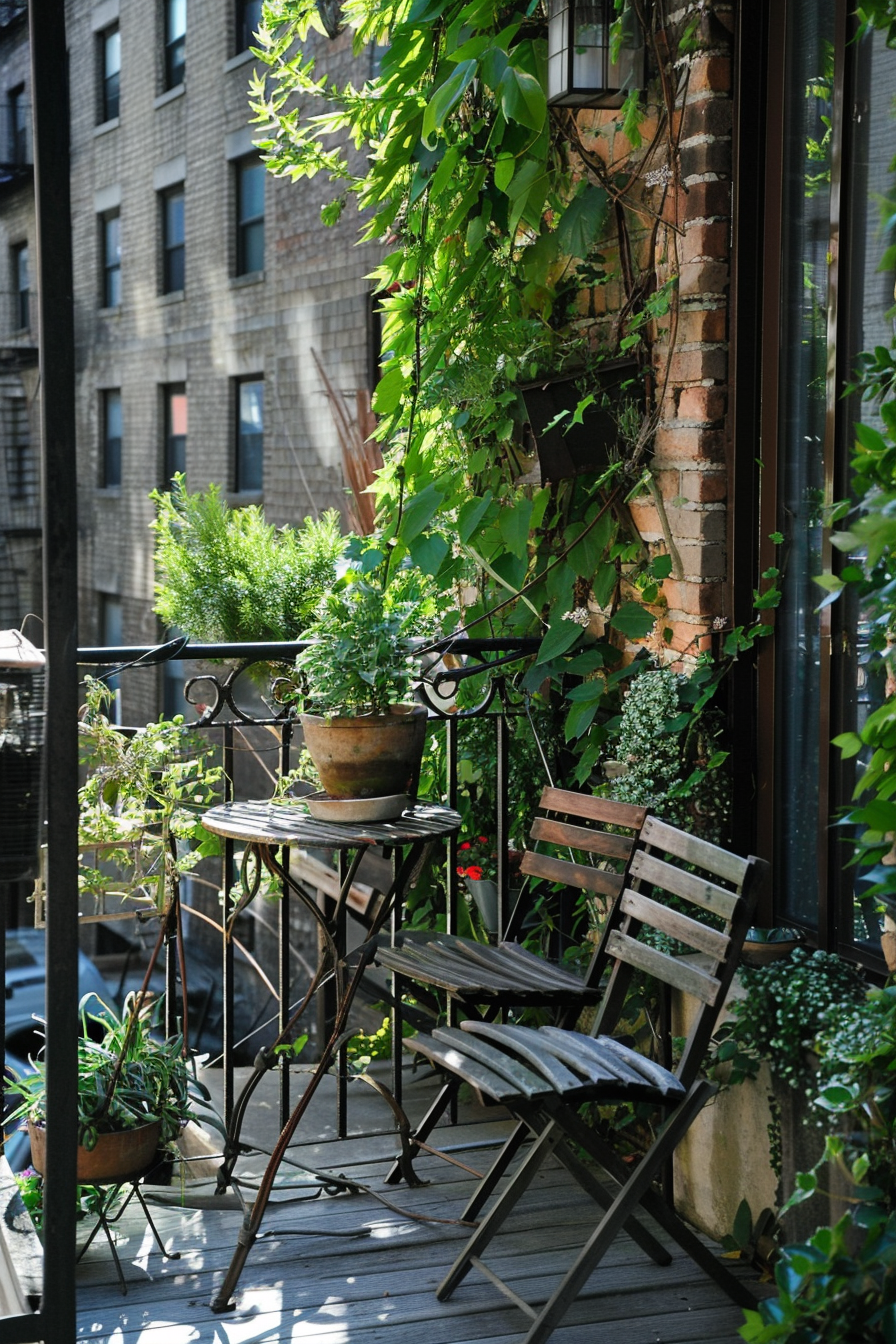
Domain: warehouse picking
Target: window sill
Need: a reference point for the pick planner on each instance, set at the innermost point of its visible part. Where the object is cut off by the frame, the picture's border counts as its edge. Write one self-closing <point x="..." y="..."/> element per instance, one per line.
<point x="243" y="58"/>
<point x="253" y="278"/>
<point x="177" y="92"/>
<point x="109" y="312"/>
<point x="240" y="499"/>
<point x="104" y="126"/>
<point x="109" y="491"/>
<point x="175" y="296"/>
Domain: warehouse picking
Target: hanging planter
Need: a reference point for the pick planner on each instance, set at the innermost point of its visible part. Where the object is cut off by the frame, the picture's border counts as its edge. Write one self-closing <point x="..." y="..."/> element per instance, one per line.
<point x="115" y="1157"/>
<point x="22" y="717"/>
<point x="566" y="448"/>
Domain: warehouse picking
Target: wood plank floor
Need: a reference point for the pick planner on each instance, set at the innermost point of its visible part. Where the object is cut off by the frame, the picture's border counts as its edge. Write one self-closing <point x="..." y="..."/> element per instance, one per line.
<point x="347" y="1269"/>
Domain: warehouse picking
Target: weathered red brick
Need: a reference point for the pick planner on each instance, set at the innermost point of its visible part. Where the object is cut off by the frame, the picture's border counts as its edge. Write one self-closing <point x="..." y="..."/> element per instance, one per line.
<point x="691" y="366"/>
<point x="707" y="199"/>
<point x="689" y="443"/>
<point x="697" y="524"/>
<point x="703" y="277"/>
<point x="706" y="156"/>
<point x="695" y="599"/>
<point x="710" y="72"/>
<point x="704" y="487"/>
<point x="702" y="324"/>
<point x="702" y="403"/>
<point x="707" y="116"/>
<point x="710" y="239"/>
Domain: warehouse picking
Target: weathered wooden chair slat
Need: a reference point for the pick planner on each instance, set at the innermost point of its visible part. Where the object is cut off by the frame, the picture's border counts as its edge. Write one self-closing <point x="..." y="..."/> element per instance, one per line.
<point x="600" y="1068"/>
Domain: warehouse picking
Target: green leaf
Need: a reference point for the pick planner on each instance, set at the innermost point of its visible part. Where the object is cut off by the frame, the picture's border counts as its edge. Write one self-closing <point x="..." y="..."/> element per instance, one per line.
<point x="559" y="639"/>
<point x="445" y="98"/>
<point x="522" y="98"/>
<point x="849" y="743"/>
<point x="514" y="526"/>
<point x="389" y="390"/>
<point x="419" y="512"/>
<point x="471" y="514"/>
<point x="582" y="221"/>
<point x="633" y="620"/>
<point x="579" y="719"/>
<point x="661" y="566"/>
<point x="505" y="166"/>
<point x="428" y="552"/>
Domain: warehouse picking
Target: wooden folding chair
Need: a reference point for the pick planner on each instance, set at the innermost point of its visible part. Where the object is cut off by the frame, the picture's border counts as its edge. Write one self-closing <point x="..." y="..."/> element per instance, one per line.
<point x="488" y="982"/>
<point x="544" y="1076"/>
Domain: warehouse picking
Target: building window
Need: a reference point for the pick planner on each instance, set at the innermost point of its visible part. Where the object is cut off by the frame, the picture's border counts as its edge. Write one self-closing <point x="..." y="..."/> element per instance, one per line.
<point x="248" y="22"/>
<point x="175" y="42"/>
<point x="17" y="113"/>
<point x="21" y="463"/>
<point x="173" y="254"/>
<point x="249" y="467"/>
<point x="250" y="175"/>
<point x="110" y="473"/>
<point x="110" y="238"/>
<point x="111" y="632"/>
<point x="110" y="73"/>
<point x="21" y="286"/>
<point x="175" y="430"/>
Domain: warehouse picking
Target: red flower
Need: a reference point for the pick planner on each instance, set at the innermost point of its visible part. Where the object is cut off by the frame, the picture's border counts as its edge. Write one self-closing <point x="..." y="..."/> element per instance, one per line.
<point x="473" y="873"/>
<point x="483" y="839"/>
<point x="466" y="845"/>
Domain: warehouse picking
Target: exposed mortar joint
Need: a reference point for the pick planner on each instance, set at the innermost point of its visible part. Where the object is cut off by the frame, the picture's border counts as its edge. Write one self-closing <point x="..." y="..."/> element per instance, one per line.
<point x="704" y="139"/>
<point x="703" y="219"/>
<point x="709" y="304"/>
<point x="703" y="345"/>
<point x="695" y="178"/>
<point x="706" y="52"/>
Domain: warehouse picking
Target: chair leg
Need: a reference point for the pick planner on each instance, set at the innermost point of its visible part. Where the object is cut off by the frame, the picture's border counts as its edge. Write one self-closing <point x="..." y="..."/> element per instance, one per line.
<point x="520" y="1181"/>
<point x="440" y="1103"/>
<point x="656" y="1205"/>
<point x="628" y="1199"/>
<point x="486" y="1186"/>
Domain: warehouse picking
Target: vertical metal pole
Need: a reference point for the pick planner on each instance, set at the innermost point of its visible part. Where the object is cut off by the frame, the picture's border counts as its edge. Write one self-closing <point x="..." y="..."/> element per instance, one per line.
<point x="59" y="490"/>
<point x="283" y="944"/>
<point x="452" y="882"/>
<point x="501" y="792"/>
<point x="227" y="951"/>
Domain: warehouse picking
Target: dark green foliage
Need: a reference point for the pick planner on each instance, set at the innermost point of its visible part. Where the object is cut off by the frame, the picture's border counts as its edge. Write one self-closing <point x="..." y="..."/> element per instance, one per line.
<point x="225" y="575"/>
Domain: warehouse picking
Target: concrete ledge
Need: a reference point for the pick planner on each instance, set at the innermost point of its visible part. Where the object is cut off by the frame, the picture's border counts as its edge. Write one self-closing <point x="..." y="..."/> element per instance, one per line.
<point x="21" y="1253"/>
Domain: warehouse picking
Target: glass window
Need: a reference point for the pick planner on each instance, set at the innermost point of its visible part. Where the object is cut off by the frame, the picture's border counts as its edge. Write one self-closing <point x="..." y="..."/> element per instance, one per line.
<point x="21" y="463"/>
<point x="110" y="234"/>
<point x="805" y="243"/>
<point x="250" y="176"/>
<point x="175" y="42"/>
<point x="112" y="637"/>
<point x="175" y="430"/>
<point x="248" y="21"/>
<point x="249" y="473"/>
<point x="18" y="126"/>
<point x="110" y="475"/>
<point x="173" y="254"/>
<point x="110" y="56"/>
<point x="21" y="285"/>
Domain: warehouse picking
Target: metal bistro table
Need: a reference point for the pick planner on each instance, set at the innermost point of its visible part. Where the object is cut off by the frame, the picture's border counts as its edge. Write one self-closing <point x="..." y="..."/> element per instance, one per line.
<point x="267" y="830"/>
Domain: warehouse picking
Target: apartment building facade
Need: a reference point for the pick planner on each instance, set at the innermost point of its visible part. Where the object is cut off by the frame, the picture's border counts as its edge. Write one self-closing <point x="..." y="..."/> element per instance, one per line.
<point x="202" y="286"/>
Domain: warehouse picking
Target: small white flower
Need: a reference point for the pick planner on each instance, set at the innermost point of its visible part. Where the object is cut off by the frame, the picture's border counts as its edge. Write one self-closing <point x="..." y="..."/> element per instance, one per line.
<point x="658" y="177"/>
<point x="719" y="622"/>
<point x="499" y="363"/>
<point x="580" y="616"/>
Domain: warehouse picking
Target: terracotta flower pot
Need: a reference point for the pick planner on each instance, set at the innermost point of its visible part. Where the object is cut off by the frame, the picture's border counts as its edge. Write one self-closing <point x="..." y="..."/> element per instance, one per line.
<point x="116" y="1157"/>
<point x="373" y="756"/>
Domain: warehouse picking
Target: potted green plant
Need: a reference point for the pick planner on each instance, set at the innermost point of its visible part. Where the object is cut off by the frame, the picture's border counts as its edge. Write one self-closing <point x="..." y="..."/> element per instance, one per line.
<point x="132" y="1094"/>
<point x="362" y="730"/>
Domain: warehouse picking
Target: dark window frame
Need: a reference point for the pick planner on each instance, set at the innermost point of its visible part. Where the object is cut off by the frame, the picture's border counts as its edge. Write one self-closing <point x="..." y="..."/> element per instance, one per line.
<point x="111" y="444"/>
<point x="247" y="20"/>
<point x="21" y="293"/>
<point x="17" y="126"/>
<point x="173" y="248"/>
<point x="109" y="82"/>
<point x="248" y="462"/>
<point x="249" y="225"/>
<point x="174" y="43"/>
<point x="174" y="449"/>
<point x="110" y="259"/>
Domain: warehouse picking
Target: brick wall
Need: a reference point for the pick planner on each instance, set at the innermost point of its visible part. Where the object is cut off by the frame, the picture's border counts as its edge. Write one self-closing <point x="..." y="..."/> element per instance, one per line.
<point x="690" y="351"/>
<point x="312" y="292"/>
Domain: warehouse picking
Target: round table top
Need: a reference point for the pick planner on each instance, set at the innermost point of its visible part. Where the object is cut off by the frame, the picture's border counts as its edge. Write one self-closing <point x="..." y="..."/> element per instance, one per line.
<point x="287" y="822"/>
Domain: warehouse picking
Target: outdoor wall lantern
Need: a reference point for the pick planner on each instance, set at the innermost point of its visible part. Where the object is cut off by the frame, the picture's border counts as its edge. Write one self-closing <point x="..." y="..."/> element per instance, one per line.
<point x="581" y="71"/>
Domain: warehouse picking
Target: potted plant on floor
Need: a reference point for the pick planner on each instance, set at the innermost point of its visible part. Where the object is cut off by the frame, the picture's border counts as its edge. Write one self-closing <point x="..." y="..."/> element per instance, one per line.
<point x="133" y="1096"/>
<point x="363" y="731"/>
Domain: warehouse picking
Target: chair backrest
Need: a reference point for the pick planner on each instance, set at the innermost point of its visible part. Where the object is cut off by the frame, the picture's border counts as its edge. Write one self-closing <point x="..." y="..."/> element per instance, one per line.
<point x="693" y="893"/>
<point x="598" y="857"/>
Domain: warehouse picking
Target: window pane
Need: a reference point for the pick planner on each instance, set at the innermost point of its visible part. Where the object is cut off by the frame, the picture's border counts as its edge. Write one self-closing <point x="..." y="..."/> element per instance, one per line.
<point x="175" y="432"/>
<point x="175" y="42"/>
<point x="176" y="17"/>
<point x="803" y="364"/>
<point x="111" y="74"/>
<point x="248" y="22"/>
<point x="251" y="191"/>
<point x="250" y="217"/>
<point x="250" y="437"/>
<point x="111" y="439"/>
<point x="22" y="285"/>
<point x="111" y="261"/>
<point x="173" y="242"/>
